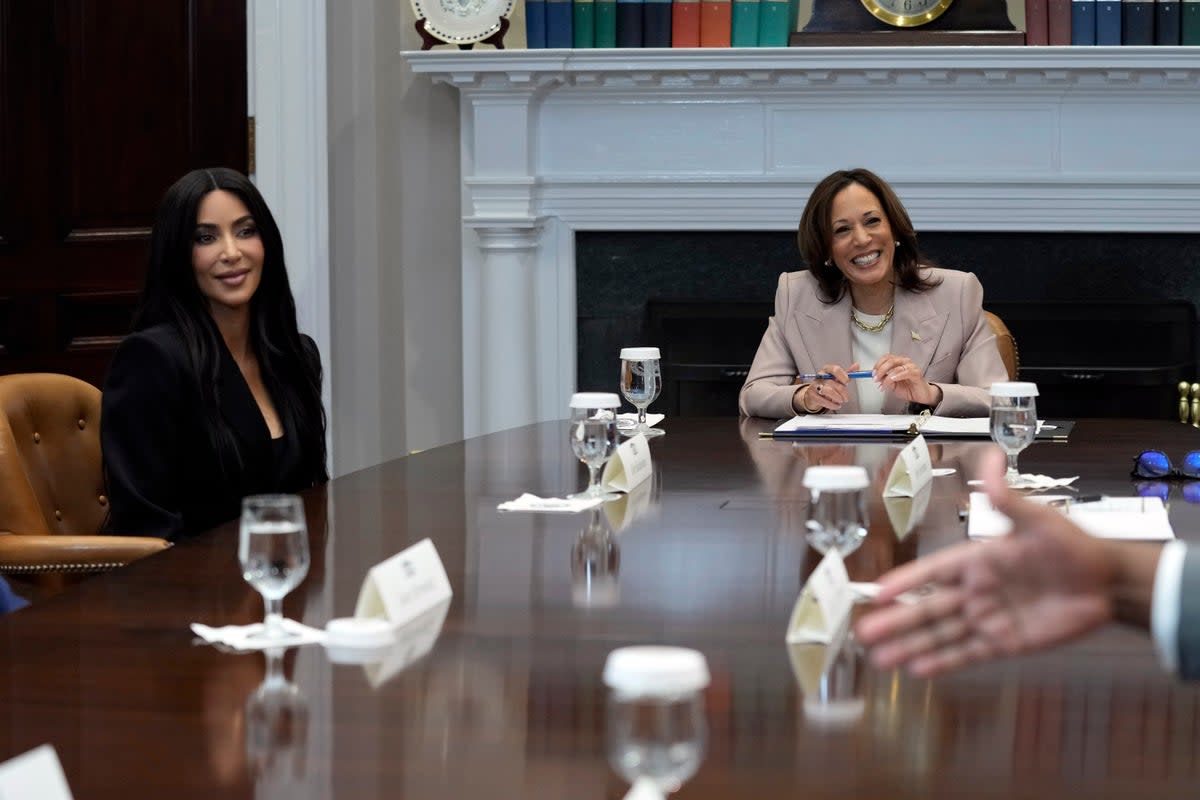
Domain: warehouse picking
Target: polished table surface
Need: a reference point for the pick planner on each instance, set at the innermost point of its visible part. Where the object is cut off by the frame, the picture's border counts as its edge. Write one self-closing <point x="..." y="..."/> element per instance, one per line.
<point x="509" y="700"/>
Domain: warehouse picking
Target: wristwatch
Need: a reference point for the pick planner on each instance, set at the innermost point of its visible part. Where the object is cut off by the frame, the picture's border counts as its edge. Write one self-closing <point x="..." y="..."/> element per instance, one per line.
<point x="907" y="13"/>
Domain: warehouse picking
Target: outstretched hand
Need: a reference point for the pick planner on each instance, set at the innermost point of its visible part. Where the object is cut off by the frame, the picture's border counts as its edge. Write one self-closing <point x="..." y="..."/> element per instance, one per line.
<point x="1045" y="583"/>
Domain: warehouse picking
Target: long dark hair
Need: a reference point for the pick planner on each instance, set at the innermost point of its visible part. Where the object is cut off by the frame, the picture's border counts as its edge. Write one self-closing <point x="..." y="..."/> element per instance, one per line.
<point x="816" y="233"/>
<point x="290" y="368"/>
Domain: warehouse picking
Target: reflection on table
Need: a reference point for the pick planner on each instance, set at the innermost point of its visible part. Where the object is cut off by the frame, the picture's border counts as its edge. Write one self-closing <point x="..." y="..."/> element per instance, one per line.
<point x="505" y="698"/>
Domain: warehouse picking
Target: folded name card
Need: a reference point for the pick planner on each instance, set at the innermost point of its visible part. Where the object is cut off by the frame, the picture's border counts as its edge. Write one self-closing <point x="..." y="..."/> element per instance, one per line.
<point x="36" y="773"/>
<point x="629" y="466"/>
<point x="824" y="604"/>
<point x="404" y="586"/>
<point x="912" y="470"/>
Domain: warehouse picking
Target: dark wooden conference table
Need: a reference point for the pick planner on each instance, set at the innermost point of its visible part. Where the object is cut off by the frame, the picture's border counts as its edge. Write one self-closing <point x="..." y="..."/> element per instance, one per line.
<point x="509" y="702"/>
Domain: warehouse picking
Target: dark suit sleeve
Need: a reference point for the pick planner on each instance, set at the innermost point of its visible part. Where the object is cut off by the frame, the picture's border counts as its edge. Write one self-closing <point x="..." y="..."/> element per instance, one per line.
<point x="1189" y="616"/>
<point x="141" y="415"/>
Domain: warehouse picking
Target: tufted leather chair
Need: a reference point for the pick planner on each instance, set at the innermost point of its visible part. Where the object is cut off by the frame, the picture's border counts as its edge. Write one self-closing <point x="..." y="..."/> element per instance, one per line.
<point x="52" y="501"/>
<point x="1006" y="343"/>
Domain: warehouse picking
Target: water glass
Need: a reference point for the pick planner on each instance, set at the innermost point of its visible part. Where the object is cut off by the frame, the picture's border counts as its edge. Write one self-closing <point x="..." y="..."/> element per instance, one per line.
<point x="657" y="732"/>
<point x="273" y="551"/>
<point x="1013" y="421"/>
<point x="641" y="382"/>
<point x="593" y="433"/>
<point x="837" y="516"/>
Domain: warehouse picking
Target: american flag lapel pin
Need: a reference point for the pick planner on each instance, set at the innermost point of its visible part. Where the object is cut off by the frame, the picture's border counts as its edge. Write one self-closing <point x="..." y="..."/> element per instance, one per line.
<point x="916" y="336"/>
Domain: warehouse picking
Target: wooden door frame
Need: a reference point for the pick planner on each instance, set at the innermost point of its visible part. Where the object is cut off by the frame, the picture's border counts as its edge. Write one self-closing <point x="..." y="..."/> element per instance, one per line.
<point x="287" y="67"/>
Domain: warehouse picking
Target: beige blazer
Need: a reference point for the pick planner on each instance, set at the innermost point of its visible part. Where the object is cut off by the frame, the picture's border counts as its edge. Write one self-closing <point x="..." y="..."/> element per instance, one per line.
<point x="942" y="330"/>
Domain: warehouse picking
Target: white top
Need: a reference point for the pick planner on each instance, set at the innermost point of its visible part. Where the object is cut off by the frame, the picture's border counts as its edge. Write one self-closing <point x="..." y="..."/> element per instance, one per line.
<point x="595" y="400"/>
<point x="832" y="479"/>
<point x="1164" y="608"/>
<point x="655" y="671"/>
<point x="639" y="353"/>
<point x="1014" y="389"/>
<point x="867" y="348"/>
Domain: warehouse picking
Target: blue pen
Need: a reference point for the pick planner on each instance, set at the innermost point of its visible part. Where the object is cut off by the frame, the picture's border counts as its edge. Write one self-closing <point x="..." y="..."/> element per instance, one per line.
<point x="825" y="376"/>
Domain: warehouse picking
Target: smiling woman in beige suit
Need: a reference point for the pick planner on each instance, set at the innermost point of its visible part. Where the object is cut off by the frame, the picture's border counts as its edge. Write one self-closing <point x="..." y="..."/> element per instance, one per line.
<point x="869" y="301"/>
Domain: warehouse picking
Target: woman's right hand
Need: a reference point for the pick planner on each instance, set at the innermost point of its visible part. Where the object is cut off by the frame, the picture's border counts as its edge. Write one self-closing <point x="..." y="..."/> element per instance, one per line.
<point x="825" y="394"/>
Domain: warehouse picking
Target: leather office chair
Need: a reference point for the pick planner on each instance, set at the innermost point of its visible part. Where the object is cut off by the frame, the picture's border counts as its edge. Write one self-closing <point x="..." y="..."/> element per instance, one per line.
<point x="1006" y="343"/>
<point x="52" y="501"/>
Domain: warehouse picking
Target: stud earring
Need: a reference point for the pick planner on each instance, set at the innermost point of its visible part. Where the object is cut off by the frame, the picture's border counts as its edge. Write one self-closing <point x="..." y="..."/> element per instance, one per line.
<point x="828" y="263"/>
<point x="897" y="243"/>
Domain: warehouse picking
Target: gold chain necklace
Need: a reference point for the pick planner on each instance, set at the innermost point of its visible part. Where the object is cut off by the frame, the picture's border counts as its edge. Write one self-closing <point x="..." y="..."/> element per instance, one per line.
<point x="878" y="326"/>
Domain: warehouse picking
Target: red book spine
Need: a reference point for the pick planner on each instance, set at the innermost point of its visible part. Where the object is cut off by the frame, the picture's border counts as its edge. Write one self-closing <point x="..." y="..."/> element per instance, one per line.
<point x="716" y="23"/>
<point x="1058" y="18"/>
<point x="685" y="23"/>
<point x="1037" y="23"/>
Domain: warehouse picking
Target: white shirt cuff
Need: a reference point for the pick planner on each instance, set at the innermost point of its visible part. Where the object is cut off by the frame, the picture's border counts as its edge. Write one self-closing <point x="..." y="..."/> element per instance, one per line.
<point x="1164" y="608"/>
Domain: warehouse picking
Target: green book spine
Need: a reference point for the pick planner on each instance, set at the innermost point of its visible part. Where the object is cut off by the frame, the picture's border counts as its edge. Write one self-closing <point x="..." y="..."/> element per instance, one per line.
<point x="584" y="23"/>
<point x="774" y="23"/>
<point x="606" y="23"/>
<point x="1190" y="22"/>
<point x="744" y="25"/>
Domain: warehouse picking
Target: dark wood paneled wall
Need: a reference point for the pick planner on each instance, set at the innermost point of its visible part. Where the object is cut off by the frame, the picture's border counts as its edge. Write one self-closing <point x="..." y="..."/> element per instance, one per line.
<point x="103" y="104"/>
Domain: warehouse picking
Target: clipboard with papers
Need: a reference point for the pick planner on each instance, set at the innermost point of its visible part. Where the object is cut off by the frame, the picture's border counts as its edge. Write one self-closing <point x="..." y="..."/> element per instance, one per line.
<point x="900" y="426"/>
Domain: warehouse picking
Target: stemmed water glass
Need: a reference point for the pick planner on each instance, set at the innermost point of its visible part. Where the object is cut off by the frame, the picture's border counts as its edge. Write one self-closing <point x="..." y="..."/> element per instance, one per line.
<point x="273" y="551"/>
<point x="837" y="516"/>
<point x="1013" y="421"/>
<point x="593" y="433"/>
<point x="641" y="381"/>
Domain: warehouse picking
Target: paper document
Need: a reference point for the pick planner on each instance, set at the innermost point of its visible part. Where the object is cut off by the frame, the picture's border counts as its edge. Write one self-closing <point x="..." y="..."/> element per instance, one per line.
<point x="1133" y="518"/>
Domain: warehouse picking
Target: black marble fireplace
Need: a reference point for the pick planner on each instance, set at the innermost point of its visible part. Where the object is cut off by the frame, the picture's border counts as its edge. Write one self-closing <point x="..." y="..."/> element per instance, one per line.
<point x="1105" y="322"/>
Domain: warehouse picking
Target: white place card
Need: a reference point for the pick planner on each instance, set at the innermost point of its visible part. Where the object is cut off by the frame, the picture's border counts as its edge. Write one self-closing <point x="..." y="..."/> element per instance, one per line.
<point x="912" y="471"/>
<point x="824" y="604"/>
<point x="629" y="466"/>
<point x="637" y="502"/>
<point x="36" y="773"/>
<point x="404" y="586"/>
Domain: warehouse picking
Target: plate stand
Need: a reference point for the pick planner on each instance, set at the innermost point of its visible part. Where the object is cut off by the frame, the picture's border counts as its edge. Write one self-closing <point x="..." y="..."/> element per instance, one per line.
<point x="428" y="40"/>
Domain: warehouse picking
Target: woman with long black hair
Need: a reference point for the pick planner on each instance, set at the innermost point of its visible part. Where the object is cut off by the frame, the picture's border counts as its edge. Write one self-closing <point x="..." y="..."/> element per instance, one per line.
<point x="216" y="394"/>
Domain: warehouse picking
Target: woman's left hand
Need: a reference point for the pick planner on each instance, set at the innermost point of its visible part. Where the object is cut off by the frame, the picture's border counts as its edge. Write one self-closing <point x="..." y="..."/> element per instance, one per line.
<point x="901" y="376"/>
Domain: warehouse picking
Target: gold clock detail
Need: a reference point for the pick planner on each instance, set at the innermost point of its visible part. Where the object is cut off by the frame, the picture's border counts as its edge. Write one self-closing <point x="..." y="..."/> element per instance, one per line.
<point x="907" y="13"/>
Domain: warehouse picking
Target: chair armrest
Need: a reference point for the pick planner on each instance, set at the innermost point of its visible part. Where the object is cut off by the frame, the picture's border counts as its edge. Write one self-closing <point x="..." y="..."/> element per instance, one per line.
<point x="32" y="554"/>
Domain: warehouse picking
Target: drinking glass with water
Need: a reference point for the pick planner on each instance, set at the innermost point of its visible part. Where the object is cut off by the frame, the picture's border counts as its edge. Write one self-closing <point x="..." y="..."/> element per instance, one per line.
<point x="641" y="382"/>
<point x="837" y="515"/>
<point x="657" y="733"/>
<point x="273" y="551"/>
<point x="1013" y="421"/>
<point x="593" y="433"/>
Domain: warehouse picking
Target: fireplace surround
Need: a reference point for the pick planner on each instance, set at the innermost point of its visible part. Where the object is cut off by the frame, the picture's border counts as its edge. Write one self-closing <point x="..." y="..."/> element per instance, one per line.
<point x="996" y="141"/>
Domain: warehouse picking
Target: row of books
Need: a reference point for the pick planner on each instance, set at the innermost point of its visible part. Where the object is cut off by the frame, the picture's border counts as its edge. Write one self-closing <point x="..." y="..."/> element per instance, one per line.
<point x="1112" y="22"/>
<point x="659" y="23"/>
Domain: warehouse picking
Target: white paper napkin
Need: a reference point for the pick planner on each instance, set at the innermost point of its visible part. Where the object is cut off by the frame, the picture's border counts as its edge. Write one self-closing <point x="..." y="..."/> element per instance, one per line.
<point x="627" y="422"/>
<point x="238" y="636"/>
<point x="558" y="505"/>
<point x="1035" y="483"/>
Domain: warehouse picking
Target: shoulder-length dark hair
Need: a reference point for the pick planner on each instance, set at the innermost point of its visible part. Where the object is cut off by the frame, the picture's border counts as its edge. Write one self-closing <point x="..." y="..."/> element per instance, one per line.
<point x="290" y="368"/>
<point x="815" y="234"/>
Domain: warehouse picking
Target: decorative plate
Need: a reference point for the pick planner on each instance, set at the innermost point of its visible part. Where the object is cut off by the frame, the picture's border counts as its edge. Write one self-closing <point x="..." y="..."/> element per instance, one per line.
<point x="462" y="21"/>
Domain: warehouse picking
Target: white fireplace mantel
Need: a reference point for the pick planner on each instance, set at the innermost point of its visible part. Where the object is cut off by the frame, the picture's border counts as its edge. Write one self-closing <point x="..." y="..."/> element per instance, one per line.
<point x="974" y="139"/>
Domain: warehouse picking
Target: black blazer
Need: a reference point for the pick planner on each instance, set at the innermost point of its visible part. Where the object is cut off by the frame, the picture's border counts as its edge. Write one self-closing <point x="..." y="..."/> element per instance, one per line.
<point x="162" y="470"/>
